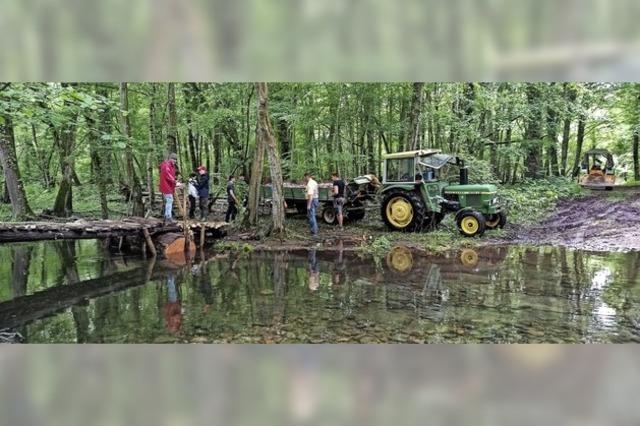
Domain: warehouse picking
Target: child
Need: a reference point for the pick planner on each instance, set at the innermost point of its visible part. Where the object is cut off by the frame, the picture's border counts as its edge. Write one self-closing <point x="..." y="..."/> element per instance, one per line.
<point x="193" y="195"/>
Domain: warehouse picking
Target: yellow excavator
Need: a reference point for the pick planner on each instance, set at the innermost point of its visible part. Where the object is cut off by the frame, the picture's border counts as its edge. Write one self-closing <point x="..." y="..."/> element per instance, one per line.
<point x="597" y="170"/>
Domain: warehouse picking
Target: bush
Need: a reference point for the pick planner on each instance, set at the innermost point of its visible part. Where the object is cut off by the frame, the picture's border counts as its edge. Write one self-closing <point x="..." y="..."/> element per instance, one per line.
<point x="530" y="200"/>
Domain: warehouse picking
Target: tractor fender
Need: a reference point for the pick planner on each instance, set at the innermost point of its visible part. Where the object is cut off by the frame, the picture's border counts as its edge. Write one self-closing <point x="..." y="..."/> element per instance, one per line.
<point x="404" y="187"/>
<point x="464" y="210"/>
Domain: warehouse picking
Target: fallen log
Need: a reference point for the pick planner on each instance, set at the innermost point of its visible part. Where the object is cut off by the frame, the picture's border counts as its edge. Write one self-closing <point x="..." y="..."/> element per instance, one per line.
<point x="78" y="230"/>
<point x="172" y="243"/>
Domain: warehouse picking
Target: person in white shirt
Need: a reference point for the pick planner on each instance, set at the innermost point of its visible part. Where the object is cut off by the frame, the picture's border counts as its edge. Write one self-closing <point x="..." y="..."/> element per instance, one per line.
<point x="193" y="195"/>
<point x="312" y="202"/>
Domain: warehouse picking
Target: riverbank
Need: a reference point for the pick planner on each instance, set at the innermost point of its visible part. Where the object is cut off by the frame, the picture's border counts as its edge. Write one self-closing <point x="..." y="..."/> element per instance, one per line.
<point x="556" y="213"/>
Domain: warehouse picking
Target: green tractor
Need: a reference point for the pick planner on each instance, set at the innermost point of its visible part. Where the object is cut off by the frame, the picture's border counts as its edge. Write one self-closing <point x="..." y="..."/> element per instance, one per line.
<point x="420" y="187"/>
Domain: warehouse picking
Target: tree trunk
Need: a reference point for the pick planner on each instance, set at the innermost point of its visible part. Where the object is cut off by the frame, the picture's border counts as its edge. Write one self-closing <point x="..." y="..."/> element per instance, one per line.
<point x="265" y="133"/>
<point x="217" y="150"/>
<point x="151" y="155"/>
<point x="570" y="98"/>
<point x="100" y="150"/>
<point x="65" y="138"/>
<point x="414" y="116"/>
<point x="533" y="132"/>
<point x="579" y="143"/>
<point x="134" y="184"/>
<point x="172" y="130"/>
<point x="636" y="160"/>
<point x="552" y="134"/>
<point x="255" y="181"/>
<point x="19" y="203"/>
<point x="41" y="158"/>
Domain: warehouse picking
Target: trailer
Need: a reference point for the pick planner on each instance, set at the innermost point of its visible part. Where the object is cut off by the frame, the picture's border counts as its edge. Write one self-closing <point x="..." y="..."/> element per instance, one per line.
<point x="357" y="192"/>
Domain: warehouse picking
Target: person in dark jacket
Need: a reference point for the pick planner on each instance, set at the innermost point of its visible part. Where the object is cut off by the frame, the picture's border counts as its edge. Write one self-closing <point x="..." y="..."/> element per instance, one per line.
<point x="232" y="200"/>
<point x="203" y="191"/>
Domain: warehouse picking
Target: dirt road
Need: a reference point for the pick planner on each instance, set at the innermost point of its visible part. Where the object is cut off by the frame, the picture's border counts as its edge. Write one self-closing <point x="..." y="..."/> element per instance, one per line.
<point x="600" y="222"/>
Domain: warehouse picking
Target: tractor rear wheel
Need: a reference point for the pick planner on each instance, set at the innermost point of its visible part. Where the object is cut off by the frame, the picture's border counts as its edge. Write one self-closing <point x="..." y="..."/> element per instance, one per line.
<point x="403" y="210"/>
<point x="470" y="223"/>
<point x="496" y="221"/>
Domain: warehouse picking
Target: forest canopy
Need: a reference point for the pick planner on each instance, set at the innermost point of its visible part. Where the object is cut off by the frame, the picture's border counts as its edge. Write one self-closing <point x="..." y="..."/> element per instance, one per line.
<point x="112" y="136"/>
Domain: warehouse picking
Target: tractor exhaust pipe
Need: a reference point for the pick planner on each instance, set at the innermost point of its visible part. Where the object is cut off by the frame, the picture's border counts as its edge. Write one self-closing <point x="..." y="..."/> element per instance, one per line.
<point x="464" y="175"/>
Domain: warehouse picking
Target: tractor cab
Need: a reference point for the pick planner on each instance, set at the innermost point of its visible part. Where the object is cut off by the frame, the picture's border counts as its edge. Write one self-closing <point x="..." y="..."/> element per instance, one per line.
<point x="420" y="187"/>
<point x="597" y="170"/>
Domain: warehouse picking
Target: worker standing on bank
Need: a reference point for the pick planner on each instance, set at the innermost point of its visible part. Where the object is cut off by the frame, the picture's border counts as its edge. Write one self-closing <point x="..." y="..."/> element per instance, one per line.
<point x="232" y="200"/>
<point x="168" y="184"/>
<point x="311" y="194"/>
<point x="338" y="197"/>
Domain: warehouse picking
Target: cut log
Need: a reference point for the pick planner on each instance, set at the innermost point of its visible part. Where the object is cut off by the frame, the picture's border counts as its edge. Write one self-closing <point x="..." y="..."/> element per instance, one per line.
<point x="172" y="244"/>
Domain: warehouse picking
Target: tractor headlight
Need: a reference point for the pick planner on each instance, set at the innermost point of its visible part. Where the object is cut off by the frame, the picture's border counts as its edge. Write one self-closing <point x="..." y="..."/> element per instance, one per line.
<point x="494" y="201"/>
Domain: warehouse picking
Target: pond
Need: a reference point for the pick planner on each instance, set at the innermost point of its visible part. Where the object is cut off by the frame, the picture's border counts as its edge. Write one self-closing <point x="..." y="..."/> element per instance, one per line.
<point x="71" y="292"/>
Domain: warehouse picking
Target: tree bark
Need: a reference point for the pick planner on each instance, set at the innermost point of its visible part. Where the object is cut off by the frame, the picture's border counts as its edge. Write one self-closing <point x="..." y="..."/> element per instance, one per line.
<point x="414" y="116"/>
<point x="136" y="189"/>
<point x="99" y="125"/>
<point x="172" y="130"/>
<point x="579" y="143"/>
<point x="636" y="141"/>
<point x="255" y="181"/>
<point x="265" y="133"/>
<point x="570" y="97"/>
<point x="65" y="138"/>
<point x="19" y="203"/>
<point x="636" y="159"/>
<point x="552" y="135"/>
<point x="533" y="132"/>
<point x="152" y="153"/>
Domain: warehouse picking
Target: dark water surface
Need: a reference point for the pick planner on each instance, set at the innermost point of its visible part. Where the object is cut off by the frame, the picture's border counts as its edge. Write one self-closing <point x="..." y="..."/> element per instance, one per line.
<point x="78" y="292"/>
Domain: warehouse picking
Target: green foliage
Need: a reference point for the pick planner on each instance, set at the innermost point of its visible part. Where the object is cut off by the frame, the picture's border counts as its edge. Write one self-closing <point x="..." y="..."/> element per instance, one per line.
<point x="530" y="200"/>
<point x="379" y="246"/>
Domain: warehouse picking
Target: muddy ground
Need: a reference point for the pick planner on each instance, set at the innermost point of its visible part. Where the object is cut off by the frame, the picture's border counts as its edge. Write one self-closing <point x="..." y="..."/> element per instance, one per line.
<point x="600" y="221"/>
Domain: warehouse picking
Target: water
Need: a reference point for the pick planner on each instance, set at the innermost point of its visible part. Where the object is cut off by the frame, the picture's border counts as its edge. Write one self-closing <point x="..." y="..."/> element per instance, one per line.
<point x="77" y="292"/>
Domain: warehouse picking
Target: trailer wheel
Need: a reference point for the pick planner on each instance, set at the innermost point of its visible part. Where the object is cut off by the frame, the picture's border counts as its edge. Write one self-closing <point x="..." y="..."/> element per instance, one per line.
<point x="470" y="223"/>
<point x="329" y="215"/>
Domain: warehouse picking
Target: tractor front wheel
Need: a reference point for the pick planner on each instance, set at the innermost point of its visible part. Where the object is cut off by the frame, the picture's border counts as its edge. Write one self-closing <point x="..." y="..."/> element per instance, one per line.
<point x="470" y="223"/>
<point x="403" y="210"/>
<point x="496" y="221"/>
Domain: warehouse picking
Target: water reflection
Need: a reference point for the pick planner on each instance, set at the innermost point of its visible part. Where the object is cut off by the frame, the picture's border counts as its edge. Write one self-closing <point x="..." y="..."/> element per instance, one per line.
<point x="172" y="309"/>
<point x="314" y="273"/>
<point x="79" y="292"/>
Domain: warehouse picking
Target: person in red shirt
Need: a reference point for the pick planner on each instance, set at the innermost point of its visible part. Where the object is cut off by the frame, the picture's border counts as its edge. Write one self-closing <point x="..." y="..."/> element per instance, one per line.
<point x="168" y="183"/>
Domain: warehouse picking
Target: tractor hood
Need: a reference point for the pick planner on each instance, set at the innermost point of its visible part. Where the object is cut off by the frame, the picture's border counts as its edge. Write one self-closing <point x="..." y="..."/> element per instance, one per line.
<point x="471" y="189"/>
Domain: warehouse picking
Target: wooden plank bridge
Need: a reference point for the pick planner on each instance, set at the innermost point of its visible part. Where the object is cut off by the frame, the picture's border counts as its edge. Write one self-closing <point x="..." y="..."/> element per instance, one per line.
<point x="130" y="229"/>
